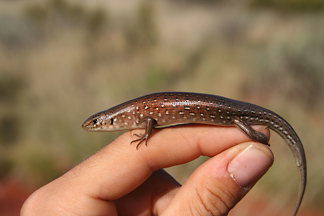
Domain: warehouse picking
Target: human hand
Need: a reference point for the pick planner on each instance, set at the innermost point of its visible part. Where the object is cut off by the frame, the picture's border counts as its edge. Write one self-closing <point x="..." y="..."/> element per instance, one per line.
<point x="120" y="180"/>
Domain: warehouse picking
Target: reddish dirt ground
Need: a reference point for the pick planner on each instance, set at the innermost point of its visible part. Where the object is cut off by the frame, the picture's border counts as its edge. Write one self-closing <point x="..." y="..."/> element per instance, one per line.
<point x="256" y="204"/>
<point x="12" y="195"/>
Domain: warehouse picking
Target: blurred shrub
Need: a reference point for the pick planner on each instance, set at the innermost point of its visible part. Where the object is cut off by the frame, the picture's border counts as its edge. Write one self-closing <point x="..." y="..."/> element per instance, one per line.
<point x="306" y="70"/>
<point x="141" y="33"/>
<point x="10" y="129"/>
<point x="36" y="163"/>
<point x="61" y="13"/>
<point x="96" y="21"/>
<point x="11" y="87"/>
<point x="6" y="165"/>
<point x="15" y="32"/>
<point x="293" y="66"/>
<point x="290" y="5"/>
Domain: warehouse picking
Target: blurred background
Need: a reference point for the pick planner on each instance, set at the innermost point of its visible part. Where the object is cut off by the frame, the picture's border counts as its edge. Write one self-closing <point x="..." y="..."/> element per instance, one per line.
<point x="62" y="61"/>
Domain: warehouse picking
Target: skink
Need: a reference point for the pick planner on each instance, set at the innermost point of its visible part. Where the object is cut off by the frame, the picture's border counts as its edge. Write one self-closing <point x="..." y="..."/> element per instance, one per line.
<point x="164" y="109"/>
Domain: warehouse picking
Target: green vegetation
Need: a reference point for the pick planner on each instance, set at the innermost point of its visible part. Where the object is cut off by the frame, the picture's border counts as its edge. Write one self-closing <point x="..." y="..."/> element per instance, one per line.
<point x="61" y="61"/>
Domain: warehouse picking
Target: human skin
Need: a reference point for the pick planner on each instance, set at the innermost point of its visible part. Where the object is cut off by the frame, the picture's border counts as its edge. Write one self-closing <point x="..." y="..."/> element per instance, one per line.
<point x="120" y="180"/>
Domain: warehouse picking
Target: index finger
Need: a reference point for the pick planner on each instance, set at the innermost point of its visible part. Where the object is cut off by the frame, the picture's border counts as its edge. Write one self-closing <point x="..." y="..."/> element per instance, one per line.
<point x="119" y="168"/>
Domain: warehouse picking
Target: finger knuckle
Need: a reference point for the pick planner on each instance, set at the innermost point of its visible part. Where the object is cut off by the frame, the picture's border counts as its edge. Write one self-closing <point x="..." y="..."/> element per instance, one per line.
<point x="217" y="201"/>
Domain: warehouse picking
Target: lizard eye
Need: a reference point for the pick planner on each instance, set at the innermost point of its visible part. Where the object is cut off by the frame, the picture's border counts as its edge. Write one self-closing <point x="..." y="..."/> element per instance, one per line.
<point x="111" y="121"/>
<point x="95" y="121"/>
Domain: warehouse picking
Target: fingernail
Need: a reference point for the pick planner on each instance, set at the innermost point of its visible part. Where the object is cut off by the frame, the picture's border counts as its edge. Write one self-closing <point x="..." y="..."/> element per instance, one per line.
<point x="249" y="166"/>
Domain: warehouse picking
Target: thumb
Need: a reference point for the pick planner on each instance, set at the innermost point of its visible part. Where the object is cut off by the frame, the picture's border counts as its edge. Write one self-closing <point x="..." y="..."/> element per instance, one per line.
<point x="218" y="184"/>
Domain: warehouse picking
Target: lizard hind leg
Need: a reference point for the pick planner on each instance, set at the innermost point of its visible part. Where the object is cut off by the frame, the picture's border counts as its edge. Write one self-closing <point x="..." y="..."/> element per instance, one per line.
<point x="250" y="132"/>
